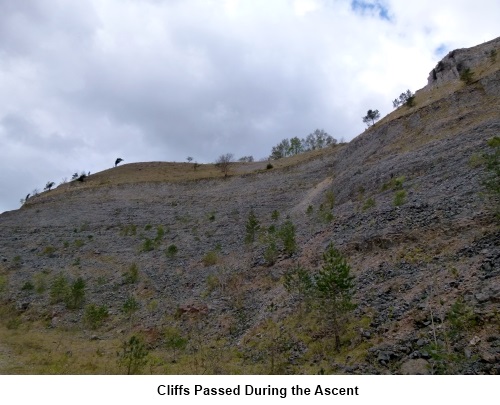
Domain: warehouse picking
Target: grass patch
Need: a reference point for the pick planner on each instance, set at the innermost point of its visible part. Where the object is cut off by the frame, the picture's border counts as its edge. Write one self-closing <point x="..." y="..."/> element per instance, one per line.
<point x="396" y="183"/>
<point x="369" y="203"/>
<point x="95" y="316"/>
<point x="211" y="258"/>
<point x="171" y="251"/>
<point x="131" y="276"/>
<point x="399" y="198"/>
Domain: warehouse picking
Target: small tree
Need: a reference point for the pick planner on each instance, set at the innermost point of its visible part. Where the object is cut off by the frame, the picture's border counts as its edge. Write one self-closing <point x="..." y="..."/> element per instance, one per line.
<point x="371" y="116"/>
<point x="287" y="235"/>
<point x="76" y="294"/>
<point x="130" y="306"/>
<point x="134" y="355"/>
<point x="334" y="287"/>
<point x="94" y="315"/>
<point x="252" y="226"/>
<point x="49" y="185"/>
<point x="175" y="341"/>
<point x="79" y="177"/>
<point x="223" y="162"/>
<point x="296" y="146"/>
<point x="298" y="281"/>
<point x="117" y="161"/>
<point x="281" y="150"/>
<point x="467" y="76"/>
<point x="318" y="140"/>
<point x="407" y="98"/>
<point x="492" y="163"/>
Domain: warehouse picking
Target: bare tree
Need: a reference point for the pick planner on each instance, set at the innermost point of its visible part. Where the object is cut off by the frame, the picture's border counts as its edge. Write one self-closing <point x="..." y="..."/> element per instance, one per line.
<point x="223" y="162"/>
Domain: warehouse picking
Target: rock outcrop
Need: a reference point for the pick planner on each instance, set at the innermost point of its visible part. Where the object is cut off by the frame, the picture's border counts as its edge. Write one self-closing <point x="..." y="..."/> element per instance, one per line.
<point x="453" y="64"/>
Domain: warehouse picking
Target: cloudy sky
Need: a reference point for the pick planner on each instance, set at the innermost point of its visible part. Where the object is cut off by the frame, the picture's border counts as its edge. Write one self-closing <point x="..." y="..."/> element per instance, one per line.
<point x="84" y="82"/>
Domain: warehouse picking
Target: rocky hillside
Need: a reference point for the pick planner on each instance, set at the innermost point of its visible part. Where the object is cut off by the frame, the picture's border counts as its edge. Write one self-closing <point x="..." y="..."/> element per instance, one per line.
<point x="160" y="253"/>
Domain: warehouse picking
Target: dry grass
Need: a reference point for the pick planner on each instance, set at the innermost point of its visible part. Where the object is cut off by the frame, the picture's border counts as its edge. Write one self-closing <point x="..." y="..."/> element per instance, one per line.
<point x="170" y="172"/>
<point x="35" y="349"/>
<point x="426" y="96"/>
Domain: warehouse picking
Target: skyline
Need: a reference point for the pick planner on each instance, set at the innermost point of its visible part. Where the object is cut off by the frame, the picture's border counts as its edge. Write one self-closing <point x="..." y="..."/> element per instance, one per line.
<point x="85" y="83"/>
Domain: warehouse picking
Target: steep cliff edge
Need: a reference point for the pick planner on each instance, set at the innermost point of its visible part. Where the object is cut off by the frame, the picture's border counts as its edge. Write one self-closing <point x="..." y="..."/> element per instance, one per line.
<point x="404" y="202"/>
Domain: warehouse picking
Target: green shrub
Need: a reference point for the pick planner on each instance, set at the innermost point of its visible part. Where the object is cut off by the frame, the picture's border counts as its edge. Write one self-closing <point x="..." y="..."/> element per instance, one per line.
<point x="275" y="215"/>
<point x="492" y="165"/>
<point x="175" y="341"/>
<point x="326" y="216"/>
<point x="330" y="199"/>
<point x="396" y="183"/>
<point x="128" y="230"/>
<point x="3" y="283"/>
<point x="309" y="210"/>
<point x="147" y="245"/>
<point x="16" y="261"/>
<point x="160" y="232"/>
<point x="28" y="286"/>
<point x="287" y="235"/>
<point x="95" y="315"/>
<point x="79" y="243"/>
<point x="476" y="160"/>
<point x="369" y="203"/>
<point x="134" y="355"/>
<point x="171" y="251"/>
<point x="212" y="282"/>
<point x="297" y="280"/>
<point x="461" y="318"/>
<point x="399" y="198"/>
<point x="40" y="282"/>
<point x="210" y="258"/>
<point x="467" y="76"/>
<point x="59" y="289"/>
<point x="132" y="275"/>
<point x="269" y="166"/>
<point x="147" y="227"/>
<point x="49" y="251"/>
<point x="130" y="306"/>
<point x="76" y="295"/>
<point x="252" y="227"/>
<point x="271" y="250"/>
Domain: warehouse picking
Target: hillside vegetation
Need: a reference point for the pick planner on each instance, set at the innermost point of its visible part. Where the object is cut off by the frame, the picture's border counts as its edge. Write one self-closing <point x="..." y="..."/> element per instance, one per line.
<point x="160" y="268"/>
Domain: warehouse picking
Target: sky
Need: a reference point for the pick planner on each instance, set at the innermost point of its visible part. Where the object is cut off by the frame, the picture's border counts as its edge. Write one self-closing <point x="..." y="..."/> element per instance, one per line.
<point x="85" y="82"/>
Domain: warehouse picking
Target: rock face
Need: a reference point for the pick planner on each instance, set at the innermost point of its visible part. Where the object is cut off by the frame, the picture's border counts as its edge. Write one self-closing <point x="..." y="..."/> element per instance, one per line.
<point x="450" y="67"/>
<point x="410" y="213"/>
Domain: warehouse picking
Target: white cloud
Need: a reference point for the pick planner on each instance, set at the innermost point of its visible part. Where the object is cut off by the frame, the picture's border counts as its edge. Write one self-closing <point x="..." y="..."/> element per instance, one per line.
<point x="302" y="7"/>
<point x="84" y="82"/>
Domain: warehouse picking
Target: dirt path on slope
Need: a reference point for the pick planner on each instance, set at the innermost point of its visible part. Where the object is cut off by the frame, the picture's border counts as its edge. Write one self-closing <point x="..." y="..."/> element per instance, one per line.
<point x="301" y="207"/>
